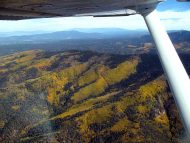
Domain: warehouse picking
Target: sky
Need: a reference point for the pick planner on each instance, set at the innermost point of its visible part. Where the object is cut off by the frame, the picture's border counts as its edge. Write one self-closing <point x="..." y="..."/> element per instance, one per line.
<point x="174" y="16"/>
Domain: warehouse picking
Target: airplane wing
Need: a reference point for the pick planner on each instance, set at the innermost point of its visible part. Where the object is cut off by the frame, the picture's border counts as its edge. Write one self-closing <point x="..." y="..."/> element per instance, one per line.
<point x="25" y="9"/>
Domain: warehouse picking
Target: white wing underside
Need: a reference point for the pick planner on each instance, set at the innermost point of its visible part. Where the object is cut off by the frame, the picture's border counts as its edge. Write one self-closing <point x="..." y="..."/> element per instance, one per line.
<point x="23" y="9"/>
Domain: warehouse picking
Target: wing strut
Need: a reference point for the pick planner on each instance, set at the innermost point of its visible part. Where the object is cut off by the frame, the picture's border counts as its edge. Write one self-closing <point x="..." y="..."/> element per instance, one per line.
<point x="175" y="72"/>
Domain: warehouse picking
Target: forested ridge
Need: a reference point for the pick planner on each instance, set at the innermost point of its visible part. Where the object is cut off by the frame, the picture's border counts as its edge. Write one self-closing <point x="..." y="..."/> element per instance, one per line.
<point x="83" y="96"/>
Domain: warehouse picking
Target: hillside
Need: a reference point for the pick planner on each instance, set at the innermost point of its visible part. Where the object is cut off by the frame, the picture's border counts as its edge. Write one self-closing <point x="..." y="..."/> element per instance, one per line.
<point x="89" y="97"/>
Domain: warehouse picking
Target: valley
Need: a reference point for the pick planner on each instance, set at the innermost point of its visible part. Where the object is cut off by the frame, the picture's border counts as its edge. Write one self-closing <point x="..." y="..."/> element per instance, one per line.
<point x="84" y="96"/>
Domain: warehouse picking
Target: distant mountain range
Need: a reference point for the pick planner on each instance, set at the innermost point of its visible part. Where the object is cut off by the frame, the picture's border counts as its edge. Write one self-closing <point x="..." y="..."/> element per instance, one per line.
<point x="40" y="37"/>
<point x="83" y="30"/>
<point x="117" y="41"/>
<point x="97" y="33"/>
<point x="176" y="36"/>
<point x="21" y="33"/>
<point x="56" y="36"/>
<point x="115" y="31"/>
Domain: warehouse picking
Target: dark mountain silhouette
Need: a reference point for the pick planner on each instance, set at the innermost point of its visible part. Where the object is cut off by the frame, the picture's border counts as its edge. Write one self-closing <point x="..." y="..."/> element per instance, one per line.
<point x="176" y="36"/>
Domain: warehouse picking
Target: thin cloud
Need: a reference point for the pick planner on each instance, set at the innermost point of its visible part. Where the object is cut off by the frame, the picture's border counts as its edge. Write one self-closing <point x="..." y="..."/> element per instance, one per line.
<point x="174" y="20"/>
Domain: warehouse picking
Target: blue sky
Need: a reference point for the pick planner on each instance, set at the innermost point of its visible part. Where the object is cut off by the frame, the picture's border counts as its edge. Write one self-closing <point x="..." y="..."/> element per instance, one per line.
<point x="175" y="6"/>
<point x="174" y="15"/>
